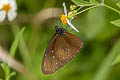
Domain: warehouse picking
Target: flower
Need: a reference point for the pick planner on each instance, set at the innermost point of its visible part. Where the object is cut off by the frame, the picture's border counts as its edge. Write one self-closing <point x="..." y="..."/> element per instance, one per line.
<point x="67" y="18"/>
<point x="8" y="10"/>
<point x="63" y="18"/>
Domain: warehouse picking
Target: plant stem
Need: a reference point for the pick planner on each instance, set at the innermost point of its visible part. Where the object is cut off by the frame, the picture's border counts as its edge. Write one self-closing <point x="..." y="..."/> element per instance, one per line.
<point x="86" y="9"/>
<point x="79" y="8"/>
<point x="111" y="8"/>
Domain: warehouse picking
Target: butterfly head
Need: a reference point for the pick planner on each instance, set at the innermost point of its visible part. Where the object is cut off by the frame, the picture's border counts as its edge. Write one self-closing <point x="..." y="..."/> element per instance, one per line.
<point x="59" y="30"/>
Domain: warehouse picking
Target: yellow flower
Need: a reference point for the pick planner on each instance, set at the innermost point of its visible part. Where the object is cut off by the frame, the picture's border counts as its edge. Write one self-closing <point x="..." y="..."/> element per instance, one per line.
<point x="63" y="18"/>
<point x="6" y="7"/>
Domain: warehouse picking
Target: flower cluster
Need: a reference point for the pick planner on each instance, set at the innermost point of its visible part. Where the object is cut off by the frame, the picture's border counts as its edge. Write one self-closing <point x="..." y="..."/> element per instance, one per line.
<point x="8" y="10"/>
<point x="66" y="18"/>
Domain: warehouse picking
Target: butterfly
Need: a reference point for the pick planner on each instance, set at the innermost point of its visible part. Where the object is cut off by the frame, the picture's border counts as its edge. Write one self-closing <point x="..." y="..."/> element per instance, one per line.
<point x="62" y="47"/>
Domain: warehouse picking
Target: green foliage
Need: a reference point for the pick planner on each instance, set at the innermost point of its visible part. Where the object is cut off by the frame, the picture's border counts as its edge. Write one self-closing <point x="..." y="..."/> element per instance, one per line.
<point x="15" y="43"/>
<point x="116" y="22"/>
<point x="118" y="4"/>
<point x="81" y="2"/>
<point x="106" y="66"/>
<point x="6" y="68"/>
<point x="93" y="2"/>
<point x="117" y="60"/>
<point x="8" y="73"/>
<point x="84" y="3"/>
<point x="96" y="21"/>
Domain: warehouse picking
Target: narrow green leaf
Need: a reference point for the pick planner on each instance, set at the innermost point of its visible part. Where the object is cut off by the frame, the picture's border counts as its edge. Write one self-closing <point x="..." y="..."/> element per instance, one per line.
<point x="15" y="43"/>
<point x="116" y="22"/>
<point x="117" y="60"/>
<point x="6" y="70"/>
<point x="106" y="66"/>
<point x="118" y="4"/>
<point x="81" y="2"/>
<point x="3" y="66"/>
<point x="93" y="2"/>
<point x="12" y="74"/>
<point x="22" y="46"/>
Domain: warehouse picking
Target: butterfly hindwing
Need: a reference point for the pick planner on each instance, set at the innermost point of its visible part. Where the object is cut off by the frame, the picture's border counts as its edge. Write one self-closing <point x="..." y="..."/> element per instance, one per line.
<point x="69" y="46"/>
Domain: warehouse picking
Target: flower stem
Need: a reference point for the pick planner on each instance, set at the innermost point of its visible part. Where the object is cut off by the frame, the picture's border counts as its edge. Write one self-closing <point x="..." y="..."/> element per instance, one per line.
<point x="79" y="8"/>
<point x="111" y="8"/>
<point x="86" y="9"/>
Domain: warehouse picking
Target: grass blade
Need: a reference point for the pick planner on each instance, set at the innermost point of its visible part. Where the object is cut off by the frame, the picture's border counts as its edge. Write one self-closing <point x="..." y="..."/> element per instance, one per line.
<point x="16" y="42"/>
<point x="105" y="68"/>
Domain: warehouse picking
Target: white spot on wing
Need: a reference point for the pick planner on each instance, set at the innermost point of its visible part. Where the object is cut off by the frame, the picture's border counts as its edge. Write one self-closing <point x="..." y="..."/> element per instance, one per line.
<point x="68" y="50"/>
<point x="77" y="51"/>
<point x="45" y="54"/>
<point x="52" y="51"/>
<point x="53" y="56"/>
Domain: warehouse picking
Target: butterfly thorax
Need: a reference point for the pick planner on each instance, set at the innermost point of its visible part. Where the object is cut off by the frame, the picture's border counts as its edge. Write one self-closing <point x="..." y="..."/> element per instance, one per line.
<point x="60" y="31"/>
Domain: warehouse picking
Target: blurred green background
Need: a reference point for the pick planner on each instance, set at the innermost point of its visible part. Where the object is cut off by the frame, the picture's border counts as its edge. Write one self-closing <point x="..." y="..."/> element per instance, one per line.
<point x="98" y="34"/>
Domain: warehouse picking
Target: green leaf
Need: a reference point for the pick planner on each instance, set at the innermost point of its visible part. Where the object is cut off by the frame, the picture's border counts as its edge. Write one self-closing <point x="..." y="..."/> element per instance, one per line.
<point x="16" y="42"/>
<point x="22" y="46"/>
<point x="118" y="4"/>
<point x="106" y="66"/>
<point x="81" y="2"/>
<point x="116" y="22"/>
<point x="90" y="12"/>
<point x="6" y="69"/>
<point x="93" y="2"/>
<point x="3" y="66"/>
<point x="117" y="60"/>
<point x="94" y="29"/>
<point x="12" y="74"/>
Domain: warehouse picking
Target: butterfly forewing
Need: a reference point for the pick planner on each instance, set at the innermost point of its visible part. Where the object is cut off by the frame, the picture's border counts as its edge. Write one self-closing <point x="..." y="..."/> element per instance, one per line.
<point x="60" y="50"/>
<point x="48" y="61"/>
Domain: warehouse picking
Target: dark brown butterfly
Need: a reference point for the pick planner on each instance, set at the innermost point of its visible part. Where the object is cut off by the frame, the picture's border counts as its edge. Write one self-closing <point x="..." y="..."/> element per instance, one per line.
<point x="62" y="48"/>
